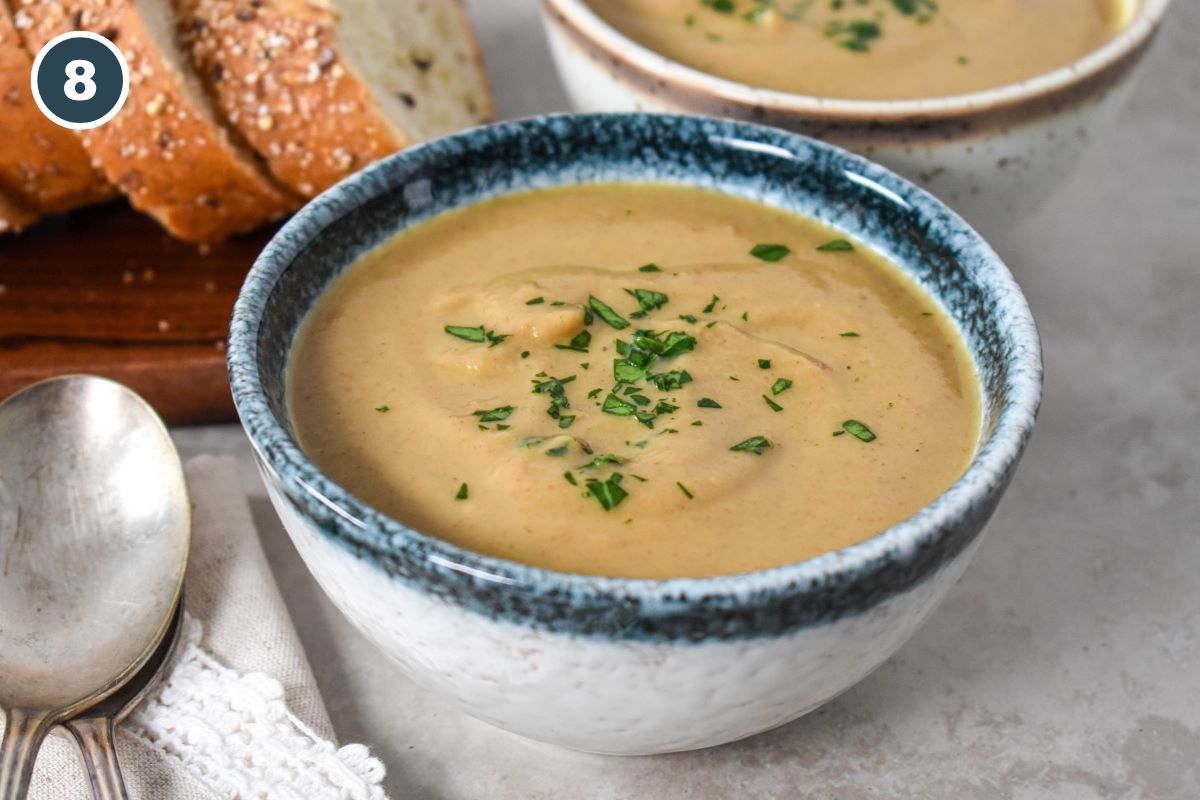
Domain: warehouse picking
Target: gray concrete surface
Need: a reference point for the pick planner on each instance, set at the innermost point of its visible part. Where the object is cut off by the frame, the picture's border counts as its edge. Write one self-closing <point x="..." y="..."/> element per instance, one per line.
<point x="1066" y="663"/>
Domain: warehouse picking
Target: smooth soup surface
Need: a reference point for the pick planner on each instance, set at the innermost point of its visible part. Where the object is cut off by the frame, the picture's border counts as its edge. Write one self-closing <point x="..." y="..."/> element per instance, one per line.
<point x="710" y="412"/>
<point x="870" y="49"/>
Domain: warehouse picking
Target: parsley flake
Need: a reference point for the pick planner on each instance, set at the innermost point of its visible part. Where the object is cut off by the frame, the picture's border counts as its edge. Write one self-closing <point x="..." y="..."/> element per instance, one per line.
<point x="494" y="414"/>
<point x="836" y="246"/>
<point x="579" y="344"/>
<point x="608" y="493"/>
<point x="781" y="385"/>
<point x="770" y="252"/>
<point x="755" y="444"/>
<point x="606" y="313"/>
<point x="708" y="402"/>
<point x="462" y="493"/>
<point x="858" y="430"/>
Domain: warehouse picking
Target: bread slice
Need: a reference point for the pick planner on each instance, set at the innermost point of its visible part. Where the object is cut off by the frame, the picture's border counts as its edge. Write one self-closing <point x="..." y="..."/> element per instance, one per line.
<point x="324" y="87"/>
<point x="167" y="149"/>
<point x="42" y="166"/>
<point x="13" y="216"/>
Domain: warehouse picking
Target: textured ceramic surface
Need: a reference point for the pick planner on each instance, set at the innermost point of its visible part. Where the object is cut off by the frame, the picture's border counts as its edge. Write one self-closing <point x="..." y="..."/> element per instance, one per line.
<point x="993" y="155"/>
<point x="629" y="666"/>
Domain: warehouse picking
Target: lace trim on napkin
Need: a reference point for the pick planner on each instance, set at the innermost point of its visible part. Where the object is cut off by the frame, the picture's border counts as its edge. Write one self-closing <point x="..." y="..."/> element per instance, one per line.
<point x="235" y="734"/>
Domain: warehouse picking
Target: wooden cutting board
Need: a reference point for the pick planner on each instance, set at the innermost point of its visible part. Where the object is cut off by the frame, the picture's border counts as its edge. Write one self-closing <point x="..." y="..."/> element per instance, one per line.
<point x="105" y="291"/>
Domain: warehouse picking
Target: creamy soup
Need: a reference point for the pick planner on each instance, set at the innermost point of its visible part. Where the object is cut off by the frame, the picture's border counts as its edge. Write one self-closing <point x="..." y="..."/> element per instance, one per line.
<point x="870" y="49"/>
<point x="632" y="380"/>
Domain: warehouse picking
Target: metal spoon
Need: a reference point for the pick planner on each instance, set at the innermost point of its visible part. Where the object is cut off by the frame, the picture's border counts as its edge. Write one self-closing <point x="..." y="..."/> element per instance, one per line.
<point x="95" y="526"/>
<point x="95" y="729"/>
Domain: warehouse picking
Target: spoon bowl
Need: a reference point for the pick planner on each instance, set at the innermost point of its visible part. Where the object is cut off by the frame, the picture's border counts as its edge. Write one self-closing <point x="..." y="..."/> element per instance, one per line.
<point x="95" y="526"/>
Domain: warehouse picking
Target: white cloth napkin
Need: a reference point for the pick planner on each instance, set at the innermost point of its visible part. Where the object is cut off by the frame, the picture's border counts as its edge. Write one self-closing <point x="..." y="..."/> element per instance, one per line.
<point x="238" y="716"/>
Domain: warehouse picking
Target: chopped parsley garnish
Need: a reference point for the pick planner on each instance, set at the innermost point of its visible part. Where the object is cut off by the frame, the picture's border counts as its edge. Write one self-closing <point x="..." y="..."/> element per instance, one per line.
<point x="649" y="268"/>
<point x="676" y="343"/>
<point x="697" y="423"/>
<point x="564" y="422"/>
<point x="524" y="354"/>
<point x="923" y="10"/>
<point x="601" y="460"/>
<point x="594" y="393"/>
<point x="557" y="452"/>
<point x="684" y="489"/>
<point x="462" y="493"/>
<point x="689" y="318"/>
<point x="708" y="402"/>
<point x="494" y="414"/>
<point x="640" y="399"/>
<point x="836" y="246"/>
<point x="855" y="35"/>
<point x="535" y="301"/>
<point x="556" y="388"/>
<point x="618" y="407"/>
<point x="467" y="333"/>
<point x="579" y="344"/>
<point x="570" y="478"/>
<point x="605" y="312"/>
<point x="476" y="334"/>
<point x="708" y="309"/>
<point x="848" y="335"/>
<point x="839" y="433"/>
<point x="781" y="385"/>
<point x="383" y="409"/>
<point x="774" y="406"/>
<point x="858" y="430"/>
<point x="755" y="444"/>
<point x="625" y="371"/>
<point x="770" y="252"/>
<point x="764" y="363"/>
<point x="669" y="381"/>
<point x="647" y="299"/>
<point x="664" y="407"/>
<point x="608" y="493"/>
<point x="722" y="6"/>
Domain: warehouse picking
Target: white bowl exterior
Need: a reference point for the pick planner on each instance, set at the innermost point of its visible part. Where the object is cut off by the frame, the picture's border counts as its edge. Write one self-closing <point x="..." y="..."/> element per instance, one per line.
<point x="618" y="698"/>
<point x="994" y="180"/>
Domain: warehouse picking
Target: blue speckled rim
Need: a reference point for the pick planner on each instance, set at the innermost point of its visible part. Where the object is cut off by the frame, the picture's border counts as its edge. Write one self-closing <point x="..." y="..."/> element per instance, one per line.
<point x="785" y="170"/>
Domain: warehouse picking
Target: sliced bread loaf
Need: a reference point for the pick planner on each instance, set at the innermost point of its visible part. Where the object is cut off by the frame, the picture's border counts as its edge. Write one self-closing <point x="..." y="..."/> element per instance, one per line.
<point x="13" y="216"/>
<point x="324" y="87"/>
<point x="167" y="149"/>
<point x="42" y="166"/>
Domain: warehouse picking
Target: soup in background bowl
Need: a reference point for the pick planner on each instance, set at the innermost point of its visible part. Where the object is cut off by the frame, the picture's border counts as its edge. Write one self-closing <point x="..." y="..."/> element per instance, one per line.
<point x="627" y="665"/>
<point x="987" y="103"/>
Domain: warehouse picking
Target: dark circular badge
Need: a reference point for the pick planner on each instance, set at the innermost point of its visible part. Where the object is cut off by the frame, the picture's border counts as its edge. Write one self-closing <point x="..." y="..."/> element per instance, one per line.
<point x="80" y="80"/>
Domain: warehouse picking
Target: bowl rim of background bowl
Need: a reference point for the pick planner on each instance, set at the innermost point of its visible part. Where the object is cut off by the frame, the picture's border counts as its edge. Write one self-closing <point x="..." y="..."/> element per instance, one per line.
<point x="996" y="456"/>
<point x="1137" y="32"/>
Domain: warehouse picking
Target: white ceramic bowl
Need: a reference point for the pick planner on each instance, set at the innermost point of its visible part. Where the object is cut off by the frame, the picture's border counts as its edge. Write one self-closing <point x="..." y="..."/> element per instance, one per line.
<point x="993" y="155"/>
<point x="617" y="665"/>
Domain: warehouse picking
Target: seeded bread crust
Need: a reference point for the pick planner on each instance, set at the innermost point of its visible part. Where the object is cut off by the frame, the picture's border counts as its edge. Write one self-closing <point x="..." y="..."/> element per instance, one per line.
<point x="166" y="150"/>
<point x="13" y="216"/>
<point x="42" y="166"/>
<point x="277" y="72"/>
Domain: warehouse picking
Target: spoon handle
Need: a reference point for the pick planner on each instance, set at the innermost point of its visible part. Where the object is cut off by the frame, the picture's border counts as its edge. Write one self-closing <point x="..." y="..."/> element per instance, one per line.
<point x="97" y="748"/>
<point x="23" y="735"/>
